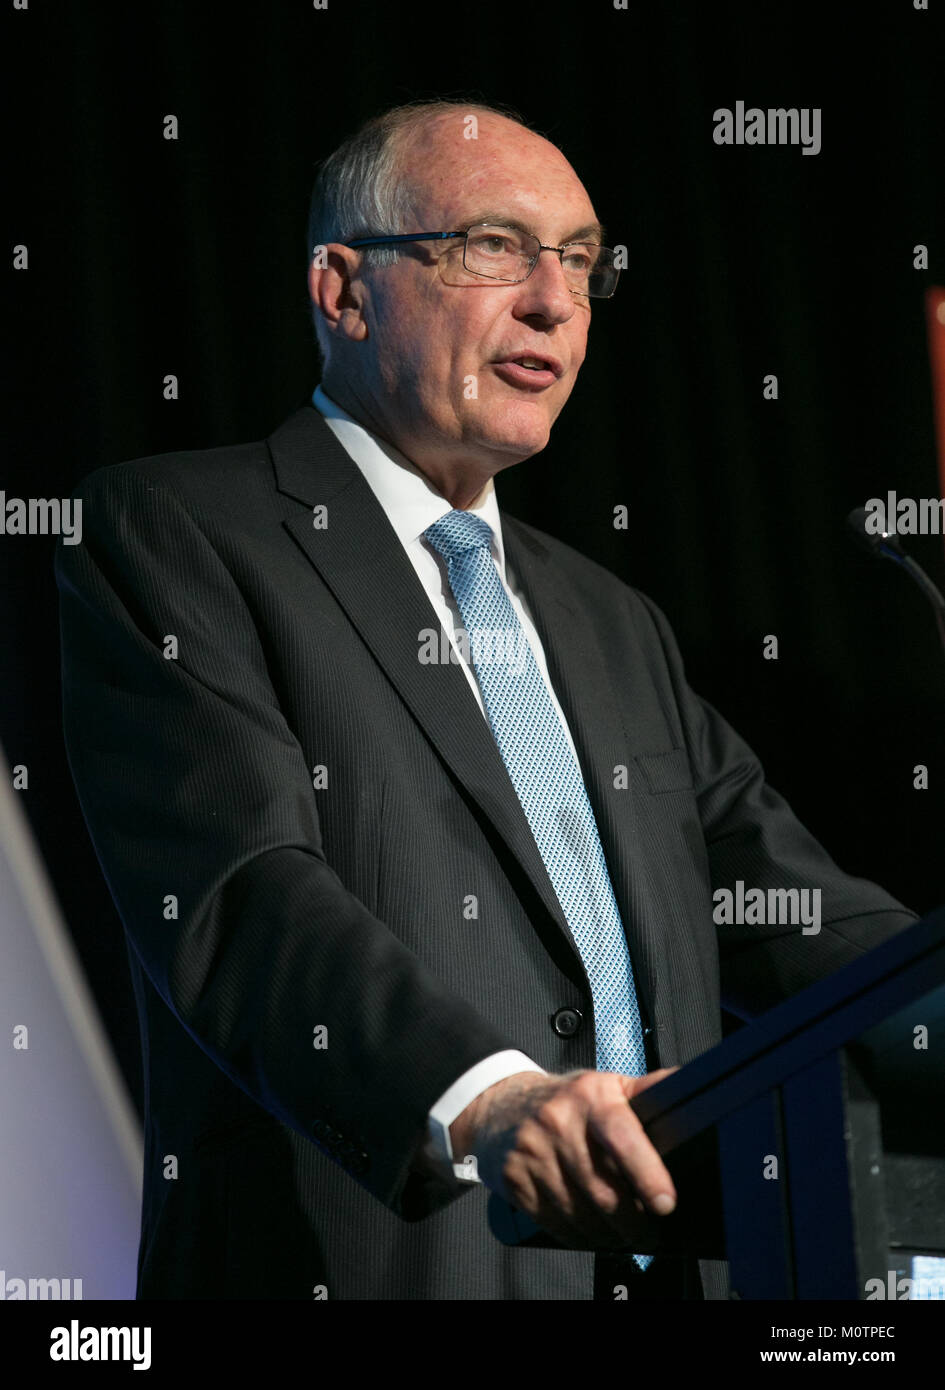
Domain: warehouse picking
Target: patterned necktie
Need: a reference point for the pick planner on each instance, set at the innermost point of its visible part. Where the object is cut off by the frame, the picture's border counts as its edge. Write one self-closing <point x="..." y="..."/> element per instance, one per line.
<point x="548" y="783"/>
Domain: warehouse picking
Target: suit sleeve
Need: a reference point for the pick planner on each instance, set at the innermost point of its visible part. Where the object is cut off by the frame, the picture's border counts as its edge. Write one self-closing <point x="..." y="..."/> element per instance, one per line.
<point x="752" y="835"/>
<point x="204" y="818"/>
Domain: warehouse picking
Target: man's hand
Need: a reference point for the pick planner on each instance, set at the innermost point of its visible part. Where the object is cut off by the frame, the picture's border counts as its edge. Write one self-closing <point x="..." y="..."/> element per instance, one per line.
<point x="570" y="1152"/>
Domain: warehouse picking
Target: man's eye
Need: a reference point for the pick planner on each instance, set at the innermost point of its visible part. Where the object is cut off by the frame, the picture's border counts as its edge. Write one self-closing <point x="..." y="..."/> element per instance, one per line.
<point x="578" y="260"/>
<point x="493" y="245"/>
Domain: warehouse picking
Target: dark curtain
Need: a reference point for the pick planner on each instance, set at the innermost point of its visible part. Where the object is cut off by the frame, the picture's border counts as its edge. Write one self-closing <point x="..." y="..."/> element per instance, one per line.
<point x="149" y="257"/>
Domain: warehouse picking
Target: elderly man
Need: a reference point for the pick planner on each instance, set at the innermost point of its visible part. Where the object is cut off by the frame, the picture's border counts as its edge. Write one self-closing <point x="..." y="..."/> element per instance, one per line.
<point x="411" y="818"/>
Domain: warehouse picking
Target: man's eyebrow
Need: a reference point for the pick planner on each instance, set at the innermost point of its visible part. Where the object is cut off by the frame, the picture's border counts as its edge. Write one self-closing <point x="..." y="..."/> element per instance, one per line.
<point x="502" y="219"/>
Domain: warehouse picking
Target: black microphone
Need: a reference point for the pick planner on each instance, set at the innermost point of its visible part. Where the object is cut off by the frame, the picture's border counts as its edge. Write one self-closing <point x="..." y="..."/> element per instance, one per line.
<point x="885" y="546"/>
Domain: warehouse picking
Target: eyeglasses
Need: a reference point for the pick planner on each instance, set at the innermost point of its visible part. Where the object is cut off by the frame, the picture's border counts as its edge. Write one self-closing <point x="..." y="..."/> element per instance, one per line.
<point x="509" y="255"/>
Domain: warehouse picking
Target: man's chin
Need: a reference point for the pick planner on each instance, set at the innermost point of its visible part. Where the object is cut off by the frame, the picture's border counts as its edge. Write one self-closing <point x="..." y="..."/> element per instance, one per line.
<point x="519" y="429"/>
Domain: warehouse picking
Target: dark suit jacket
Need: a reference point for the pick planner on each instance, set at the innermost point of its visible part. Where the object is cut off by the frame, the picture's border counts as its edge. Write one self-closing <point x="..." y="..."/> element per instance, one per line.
<point x="258" y="908"/>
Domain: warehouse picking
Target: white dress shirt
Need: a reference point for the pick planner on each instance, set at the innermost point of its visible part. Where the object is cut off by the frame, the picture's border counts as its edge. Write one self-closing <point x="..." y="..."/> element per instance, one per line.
<point x="412" y="504"/>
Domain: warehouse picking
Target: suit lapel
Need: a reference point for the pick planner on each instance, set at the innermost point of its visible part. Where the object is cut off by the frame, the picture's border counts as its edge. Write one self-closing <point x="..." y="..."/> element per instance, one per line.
<point x="363" y="563"/>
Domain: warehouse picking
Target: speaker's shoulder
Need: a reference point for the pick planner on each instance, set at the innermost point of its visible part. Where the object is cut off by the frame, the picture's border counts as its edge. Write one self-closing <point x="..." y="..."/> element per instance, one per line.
<point x="200" y="476"/>
<point x="586" y="577"/>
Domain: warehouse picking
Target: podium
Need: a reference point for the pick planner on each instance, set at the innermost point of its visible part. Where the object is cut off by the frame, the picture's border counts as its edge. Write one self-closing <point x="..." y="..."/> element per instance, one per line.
<point x="808" y="1148"/>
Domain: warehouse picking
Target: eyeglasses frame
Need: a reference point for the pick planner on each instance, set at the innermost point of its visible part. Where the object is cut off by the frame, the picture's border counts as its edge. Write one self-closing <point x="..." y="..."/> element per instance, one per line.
<point x="445" y="236"/>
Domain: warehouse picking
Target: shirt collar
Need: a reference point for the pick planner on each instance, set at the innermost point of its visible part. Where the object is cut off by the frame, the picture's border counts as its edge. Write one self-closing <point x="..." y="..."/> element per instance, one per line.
<point x="410" y="501"/>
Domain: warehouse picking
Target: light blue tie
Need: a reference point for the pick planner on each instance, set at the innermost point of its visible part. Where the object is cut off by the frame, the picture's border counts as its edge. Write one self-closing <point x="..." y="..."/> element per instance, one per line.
<point x="548" y="783"/>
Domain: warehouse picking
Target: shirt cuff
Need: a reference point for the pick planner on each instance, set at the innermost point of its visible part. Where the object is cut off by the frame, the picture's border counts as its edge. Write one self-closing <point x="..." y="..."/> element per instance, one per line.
<point x="454" y="1101"/>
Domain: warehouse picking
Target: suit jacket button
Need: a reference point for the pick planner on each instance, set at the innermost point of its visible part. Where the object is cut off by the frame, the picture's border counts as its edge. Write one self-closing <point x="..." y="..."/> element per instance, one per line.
<point x="567" y="1022"/>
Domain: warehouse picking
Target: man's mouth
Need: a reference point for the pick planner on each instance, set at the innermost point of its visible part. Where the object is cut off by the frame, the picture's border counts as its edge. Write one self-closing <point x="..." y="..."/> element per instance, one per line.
<point x="534" y="373"/>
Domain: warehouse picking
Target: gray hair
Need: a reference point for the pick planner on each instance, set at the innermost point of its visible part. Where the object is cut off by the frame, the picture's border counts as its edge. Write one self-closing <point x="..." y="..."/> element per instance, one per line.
<point x="360" y="191"/>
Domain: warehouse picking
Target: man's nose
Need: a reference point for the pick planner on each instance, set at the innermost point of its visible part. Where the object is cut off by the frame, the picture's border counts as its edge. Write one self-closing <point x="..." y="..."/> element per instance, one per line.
<point x="546" y="290"/>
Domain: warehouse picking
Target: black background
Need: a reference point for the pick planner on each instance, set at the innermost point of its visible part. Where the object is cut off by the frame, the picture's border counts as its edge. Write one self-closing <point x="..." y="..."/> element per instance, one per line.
<point x="149" y="257"/>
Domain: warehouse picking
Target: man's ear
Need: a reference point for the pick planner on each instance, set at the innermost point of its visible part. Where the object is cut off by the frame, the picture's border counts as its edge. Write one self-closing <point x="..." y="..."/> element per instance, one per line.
<point x="337" y="292"/>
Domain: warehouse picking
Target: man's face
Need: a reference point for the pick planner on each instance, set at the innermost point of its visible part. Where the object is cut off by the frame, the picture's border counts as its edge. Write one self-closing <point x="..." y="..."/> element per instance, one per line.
<point x="429" y="373"/>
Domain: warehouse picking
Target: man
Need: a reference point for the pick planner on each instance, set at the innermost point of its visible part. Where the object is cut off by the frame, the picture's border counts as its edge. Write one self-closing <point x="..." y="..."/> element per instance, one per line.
<point x="409" y="908"/>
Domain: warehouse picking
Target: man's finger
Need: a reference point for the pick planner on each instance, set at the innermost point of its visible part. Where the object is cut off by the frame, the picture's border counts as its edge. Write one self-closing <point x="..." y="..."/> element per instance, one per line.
<point x="652" y="1078"/>
<point x="621" y="1134"/>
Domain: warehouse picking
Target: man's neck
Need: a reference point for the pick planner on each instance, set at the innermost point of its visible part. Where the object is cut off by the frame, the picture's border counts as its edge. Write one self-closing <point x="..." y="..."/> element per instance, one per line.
<point x="462" y="487"/>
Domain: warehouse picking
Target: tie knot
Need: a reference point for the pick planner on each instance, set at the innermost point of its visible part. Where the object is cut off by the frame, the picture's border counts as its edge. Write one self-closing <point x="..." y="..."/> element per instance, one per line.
<point x="458" y="531"/>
